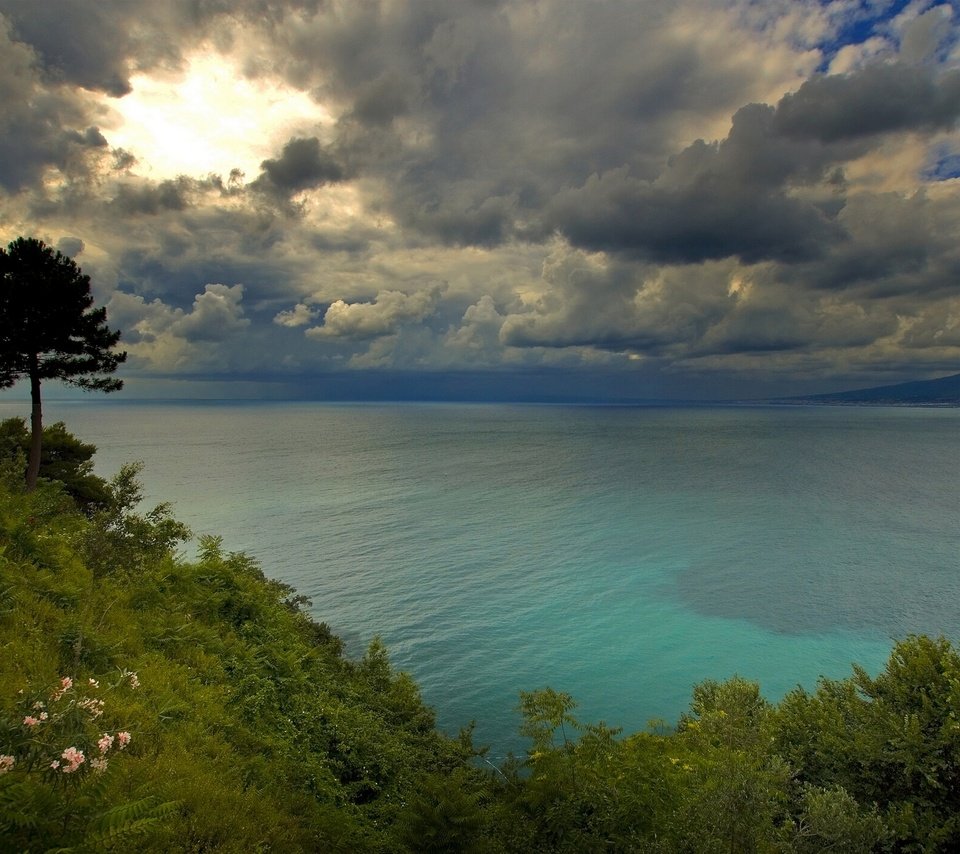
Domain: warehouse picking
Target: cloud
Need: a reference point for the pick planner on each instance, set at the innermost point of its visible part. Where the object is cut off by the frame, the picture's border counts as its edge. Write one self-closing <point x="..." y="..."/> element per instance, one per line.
<point x="98" y="45"/>
<point x="876" y="99"/>
<point x="164" y="338"/>
<point x="383" y="316"/>
<point x="712" y="201"/>
<point x="70" y="246"/>
<point x="85" y="43"/>
<point x="738" y="198"/>
<point x="590" y="300"/>
<point x="302" y="165"/>
<point x="299" y="315"/>
<point x="217" y="314"/>
<point x="42" y="123"/>
<point x="467" y="118"/>
<point x="477" y="338"/>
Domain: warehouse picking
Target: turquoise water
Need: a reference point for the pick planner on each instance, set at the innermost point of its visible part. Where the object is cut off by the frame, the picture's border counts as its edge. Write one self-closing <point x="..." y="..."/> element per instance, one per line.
<point x="618" y="554"/>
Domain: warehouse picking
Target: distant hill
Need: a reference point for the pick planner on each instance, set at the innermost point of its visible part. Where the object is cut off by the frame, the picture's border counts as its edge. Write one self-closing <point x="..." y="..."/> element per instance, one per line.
<point x="940" y="392"/>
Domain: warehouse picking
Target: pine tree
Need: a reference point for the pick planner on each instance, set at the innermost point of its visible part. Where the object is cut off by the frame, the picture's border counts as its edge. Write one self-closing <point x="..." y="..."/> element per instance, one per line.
<point x="49" y="330"/>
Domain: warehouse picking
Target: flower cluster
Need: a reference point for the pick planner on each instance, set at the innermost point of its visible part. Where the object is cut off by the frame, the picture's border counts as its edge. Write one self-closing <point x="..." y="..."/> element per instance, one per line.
<point x="72" y="760"/>
<point x="66" y="714"/>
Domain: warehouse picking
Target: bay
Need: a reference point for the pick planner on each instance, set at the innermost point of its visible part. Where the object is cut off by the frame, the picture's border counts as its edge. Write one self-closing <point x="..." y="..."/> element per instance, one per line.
<point x="621" y="554"/>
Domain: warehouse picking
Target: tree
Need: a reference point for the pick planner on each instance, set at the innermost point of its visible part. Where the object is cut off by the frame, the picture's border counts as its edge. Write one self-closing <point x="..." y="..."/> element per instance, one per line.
<point x="892" y="740"/>
<point x="49" y="330"/>
<point x="65" y="459"/>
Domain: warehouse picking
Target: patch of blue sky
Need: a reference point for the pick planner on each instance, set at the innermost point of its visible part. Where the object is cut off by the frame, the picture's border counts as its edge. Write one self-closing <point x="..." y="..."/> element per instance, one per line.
<point x="860" y="22"/>
<point x="945" y="167"/>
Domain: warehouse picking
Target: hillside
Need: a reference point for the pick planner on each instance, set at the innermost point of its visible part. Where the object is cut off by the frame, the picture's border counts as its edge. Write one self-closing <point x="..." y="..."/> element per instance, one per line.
<point x="944" y="391"/>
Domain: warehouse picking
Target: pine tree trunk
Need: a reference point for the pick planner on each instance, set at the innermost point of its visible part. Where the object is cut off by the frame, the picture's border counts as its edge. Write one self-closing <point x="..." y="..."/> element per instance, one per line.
<point x="36" y="426"/>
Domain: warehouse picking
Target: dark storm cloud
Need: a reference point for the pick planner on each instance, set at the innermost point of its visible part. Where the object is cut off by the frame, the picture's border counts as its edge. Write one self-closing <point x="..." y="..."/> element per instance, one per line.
<point x="149" y="198"/>
<point x="303" y="164"/>
<point x="475" y="115"/>
<point x="40" y="126"/>
<point x="712" y="201"/>
<point x="23" y="159"/>
<point x="737" y="198"/>
<point x="703" y="221"/>
<point x="98" y="44"/>
<point x="622" y="305"/>
<point x="142" y="197"/>
<point x="878" y="99"/>
<point x="184" y="251"/>
<point x="898" y="246"/>
<point x="86" y="43"/>
<point x="380" y="101"/>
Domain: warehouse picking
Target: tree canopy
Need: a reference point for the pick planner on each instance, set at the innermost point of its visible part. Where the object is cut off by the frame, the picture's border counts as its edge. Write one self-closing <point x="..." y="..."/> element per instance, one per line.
<point x="64" y="459"/>
<point x="49" y="329"/>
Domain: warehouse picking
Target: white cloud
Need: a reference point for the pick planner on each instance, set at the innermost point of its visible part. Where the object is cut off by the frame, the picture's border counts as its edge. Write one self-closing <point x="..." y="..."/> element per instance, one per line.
<point x="164" y="338"/>
<point x="476" y="341"/>
<point x="299" y="315"/>
<point x="217" y="314"/>
<point x="383" y="316"/>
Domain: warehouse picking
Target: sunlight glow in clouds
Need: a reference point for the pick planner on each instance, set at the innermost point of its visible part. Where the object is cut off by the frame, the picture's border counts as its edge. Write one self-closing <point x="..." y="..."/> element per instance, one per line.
<point x="208" y="119"/>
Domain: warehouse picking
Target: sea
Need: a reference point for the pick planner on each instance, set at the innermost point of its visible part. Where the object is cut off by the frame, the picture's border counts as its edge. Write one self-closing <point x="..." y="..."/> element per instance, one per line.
<point x="619" y="554"/>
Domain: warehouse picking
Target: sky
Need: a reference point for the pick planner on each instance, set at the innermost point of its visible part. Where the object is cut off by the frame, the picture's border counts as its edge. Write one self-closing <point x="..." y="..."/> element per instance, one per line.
<point x="496" y="199"/>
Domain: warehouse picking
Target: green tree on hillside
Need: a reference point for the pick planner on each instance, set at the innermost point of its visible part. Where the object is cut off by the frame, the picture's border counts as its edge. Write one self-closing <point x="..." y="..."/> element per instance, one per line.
<point x="49" y="330"/>
<point x="64" y="458"/>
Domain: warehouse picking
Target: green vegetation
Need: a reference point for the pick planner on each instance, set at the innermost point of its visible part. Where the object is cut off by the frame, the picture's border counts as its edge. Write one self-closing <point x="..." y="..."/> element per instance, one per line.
<point x="63" y="458"/>
<point x="153" y="703"/>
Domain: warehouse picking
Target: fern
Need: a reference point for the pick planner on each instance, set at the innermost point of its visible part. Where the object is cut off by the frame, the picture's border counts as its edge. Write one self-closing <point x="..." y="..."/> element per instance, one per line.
<point x="19" y="802"/>
<point x="124" y="822"/>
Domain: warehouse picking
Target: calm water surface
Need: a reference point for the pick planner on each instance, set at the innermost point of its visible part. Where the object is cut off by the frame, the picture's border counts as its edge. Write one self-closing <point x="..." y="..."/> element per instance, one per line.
<point x="619" y="554"/>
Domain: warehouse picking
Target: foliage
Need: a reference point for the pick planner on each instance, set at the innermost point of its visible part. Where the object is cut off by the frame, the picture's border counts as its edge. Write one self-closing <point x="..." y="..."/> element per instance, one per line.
<point x="63" y="458"/>
<point x="120" y="538"/>
<point x="48" y="327"/>
<point x="53" y="765"/>
<point x="893" y="741"/>
<point x="830" y="819"/>
<point x="50" y="330"/>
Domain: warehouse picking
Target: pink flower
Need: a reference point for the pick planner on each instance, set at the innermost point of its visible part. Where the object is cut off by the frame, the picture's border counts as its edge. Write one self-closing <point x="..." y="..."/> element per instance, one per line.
<point x="91" y="705"/>
<point x="123" y="738"/>
<point x="66" y="683"/>
<point x="30" y="720"/>
<point x="74" y="759"/>
<point x="94" y="682"/>
<point x="105" y="742"/>
<point x="55" y="764"/>
<point x="98" y="764"/>
<point x="44" y="716"/>
<point x="6" y="763"/>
